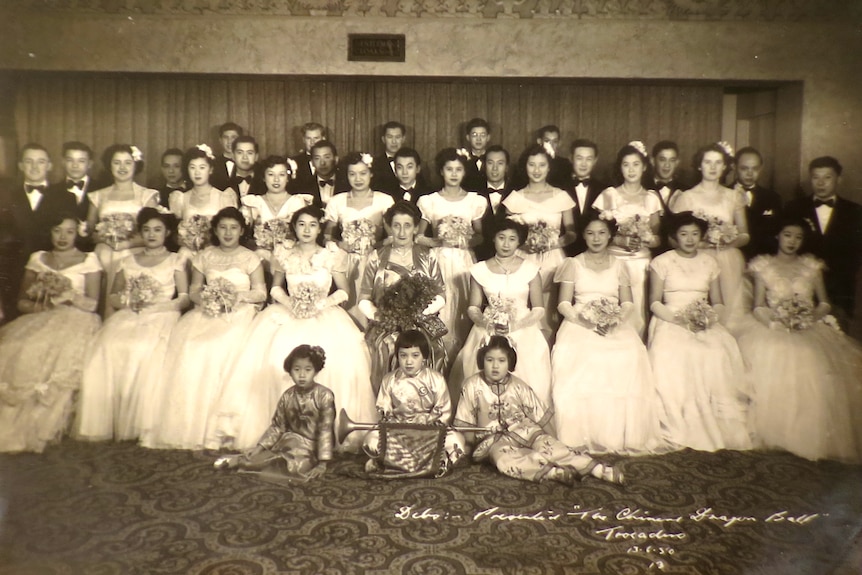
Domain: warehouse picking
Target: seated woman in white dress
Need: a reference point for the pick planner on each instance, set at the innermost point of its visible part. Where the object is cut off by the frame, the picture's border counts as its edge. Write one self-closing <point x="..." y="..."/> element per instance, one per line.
<point x="304" y="314"/>
<point x="511" y="289"/>
<point x="807" y="374"/>
<point x="226" y="287"/>
<point x="43" y="351"/>
<point x="698" y="369"/>
<point x="636" y="211"/>
<point x="122" y="370"/>
<point x="112" y="212"/>
<point x="196" y="207"/>
<point x="548" y="212"/>
<point x="455" y="217"/>
<point x="603" y="388"/>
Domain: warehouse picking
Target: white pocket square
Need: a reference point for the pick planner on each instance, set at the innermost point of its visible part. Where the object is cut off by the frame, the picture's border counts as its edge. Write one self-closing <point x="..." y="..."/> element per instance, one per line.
<point x="768" y="213"/>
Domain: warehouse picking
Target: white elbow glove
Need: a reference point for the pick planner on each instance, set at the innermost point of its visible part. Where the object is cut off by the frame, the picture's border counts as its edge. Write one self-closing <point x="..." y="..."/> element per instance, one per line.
<point x="436" y="305"/>
<point x="367" y="308"/>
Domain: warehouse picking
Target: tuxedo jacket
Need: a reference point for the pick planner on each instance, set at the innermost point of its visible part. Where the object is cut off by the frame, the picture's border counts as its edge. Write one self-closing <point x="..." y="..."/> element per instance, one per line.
<point x="256" y="187"/>
<point x="421" y="188"/>
<point x="475" y="179"/>
<point x="304" y="176"/>
<point x="59" y="198"/>
<point x="594" y="189"/>
<point x="165" y="192"/>
<point x="664" y="191"/>
<point x="764" y="218"/>
<point x="312" y="186"/>
<point x="495" y="210"/>
<point x="383" y="177"/>
<point x="839" y="245"/>
<point x="221" y="175"/>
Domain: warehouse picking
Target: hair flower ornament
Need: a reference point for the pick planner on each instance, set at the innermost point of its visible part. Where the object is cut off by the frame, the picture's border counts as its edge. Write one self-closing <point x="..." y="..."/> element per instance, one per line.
<point x="606" y="215"/>
<point x="549" y="149"/>
<point x="463" y="152"/>
<point x="728" y="149"/>
<point x="639" y="146"/>
<point x="292" y="166"/>
<point x="137" y="155"/>
<point x="206" y="150"/>
<point x="367" y="159"/>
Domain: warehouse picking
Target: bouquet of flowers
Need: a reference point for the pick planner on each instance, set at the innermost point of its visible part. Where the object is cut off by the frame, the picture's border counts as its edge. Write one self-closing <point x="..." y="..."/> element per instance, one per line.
<point x="269" y="234"/>
<point x="499" y="313"/>
<point x="401" y="305"/>
<point x="455" y="231"/>
<point x="540" y="237"/>
<point x="304" y="299"/>
<point x="115" y="228"/>
<point x="141" y="291"/>
<point x="794" y="313"/>
<point x="604" y="312"/>
<point x="636" y="227"/>
<point x="48" y="285"/>
<point x="218" y="297"/>
<point x="359" y="235"/>
<point x="195" y="232"/>
<point x="718" y="232"/>
<point x="698" y="316"/>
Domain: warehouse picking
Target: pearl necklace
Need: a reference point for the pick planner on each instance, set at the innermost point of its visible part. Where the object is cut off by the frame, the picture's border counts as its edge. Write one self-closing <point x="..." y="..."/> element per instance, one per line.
<point x="506" y="270"/>
<point x="161" y="250"/>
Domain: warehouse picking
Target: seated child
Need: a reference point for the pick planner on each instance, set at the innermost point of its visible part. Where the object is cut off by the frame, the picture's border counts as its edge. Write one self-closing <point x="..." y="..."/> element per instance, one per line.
<point x="300" y="439"/>
<point x="522" y="444"/>
<point x="413" y="394"/>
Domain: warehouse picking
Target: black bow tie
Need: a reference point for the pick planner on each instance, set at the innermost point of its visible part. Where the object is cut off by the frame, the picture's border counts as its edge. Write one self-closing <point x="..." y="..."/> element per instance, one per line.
<point x="830" y="202"/>
<point x="75" y="184"/>
<point x="662" y="183"/>
<point x="246" y="179"/>
<point x="584" y="182"/>
<point x="40" y="188"/>
<point x="324" y="183"/>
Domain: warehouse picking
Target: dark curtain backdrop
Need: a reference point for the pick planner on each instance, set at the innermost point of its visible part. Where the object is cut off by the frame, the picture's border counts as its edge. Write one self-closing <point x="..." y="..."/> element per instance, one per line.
<point x="158" y="112"/>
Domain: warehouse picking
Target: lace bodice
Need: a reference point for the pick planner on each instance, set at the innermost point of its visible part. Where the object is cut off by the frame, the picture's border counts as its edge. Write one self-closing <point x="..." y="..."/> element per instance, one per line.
<point x="695" y="199"/>
<point x="260" y="209"/>
<point x="685" y="279"/>
<point x="514" y="286"/>
<point x="786" y="281"/>
<point x="549" y="211"/>
<point x="162" y="273"/>
<point x="316" y="271"/>
<point x="76" y="273"/>
<point x="593" y="284"/>
<point x="142" y="196"/>
<point x="435" y="207"/>
<point x="182" y="206"/>
<point x="236" y="267"/>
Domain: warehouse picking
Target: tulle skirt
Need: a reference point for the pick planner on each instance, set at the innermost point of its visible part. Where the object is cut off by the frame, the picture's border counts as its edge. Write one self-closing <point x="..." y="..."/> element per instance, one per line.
<point x="200" y="350"/>
<point x="122" y="373"/>
<point x="808" y="391"/>
<point x="41" y="360"/>
<point x="702" y="386"/>
<point x="455" y="264"/>
<point x="256" y="378"/>
<point x="604" y="392"/>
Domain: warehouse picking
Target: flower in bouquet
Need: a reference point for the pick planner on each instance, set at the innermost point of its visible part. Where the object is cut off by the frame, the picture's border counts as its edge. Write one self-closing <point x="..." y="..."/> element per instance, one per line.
<point x="794" y="313"/>
<point x="194" y="233"/>
<point x="401" y="305"/>
<point x="217" y="297"/>
<point x="604" y="313"/>
<point x="48" y="285"/>
<point x="305" y="299"/>
<point x="274" y="232"/>
<point x="636" y="227"/>
<point x="697" y="316"/>
<point x="114" y="228"/>
<point x="718" y="232"/>
<point x="141" y="291"/>
<point x="499" y="313"/>
<point x="540" y="237"/>
<point x="454" y="231"/>
<point x="359" y="235"/>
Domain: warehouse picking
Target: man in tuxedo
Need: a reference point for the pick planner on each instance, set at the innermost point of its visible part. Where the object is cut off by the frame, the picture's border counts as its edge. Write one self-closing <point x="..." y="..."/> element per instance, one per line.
<point x="583" y="188"/>
<point x="408" y="171"/>
<point x="312" y="132"/>
<point x="836" y="233"/>
<point x="70" y="195"/>
<point x="763" y="206"/>
<point x="383" y="176"/>
<point x="173" y="174"/>
<point x="22" y="226"/>
<point x="245" y="180"/>
<point x="497" y="188"/>
<point x="327" y="180"/>
<point x="666" y="182"/>
<point x="224" y="166"/>
<point x="478" y="134"/>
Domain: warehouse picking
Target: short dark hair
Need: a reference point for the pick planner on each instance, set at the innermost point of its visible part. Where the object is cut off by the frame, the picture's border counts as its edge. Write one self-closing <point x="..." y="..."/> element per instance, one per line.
<point x="797" y="221"/>
<point x="501" y="343"/>
<point x="584" y="143"/>
<point x="498" y="148"/>
<point x="271" y="161"/>
<point x="680" y="219"/>
<point x="825" y="162"/>
<point x="245" y="140"/>
<point x="54" y="219"/>
<point x="313" y="211"/>
<point x="404" y="208"/>
<point x="749" y="150"/>
<point x="195" y="153"/>
<point x="168" y="219"/>
<point x="406" y="152"/>
<point x="593" y="215"/>
<point x="32" y="146"/>
<point x="477" y="123"/>
<point x="352" y="158"/>
<point x="112" y="150"/>
<point x="534" y="150"/>
<point x="629" y="150"/>
<point x="314" y="353"/>
<point x="171" y="152"/>
<point x="502" y="224"/>
<point x="392" y="125"/>
<point x="230" y="127"/>
<point x="229" y="213"/>
<point x="449" y="155"/>
<point x="324" y="144"/>
<point x="311" y="127"/>
<point x="78" y="147"/>
<point x="698" y="156"/>
<point x="549" y="128"/>
<point x="413" y="338"/>
<point x="664" y="145"/>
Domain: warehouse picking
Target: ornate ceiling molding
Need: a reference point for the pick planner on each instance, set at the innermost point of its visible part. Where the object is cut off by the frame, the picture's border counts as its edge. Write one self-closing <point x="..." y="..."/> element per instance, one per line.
<point x="696" y="10"/>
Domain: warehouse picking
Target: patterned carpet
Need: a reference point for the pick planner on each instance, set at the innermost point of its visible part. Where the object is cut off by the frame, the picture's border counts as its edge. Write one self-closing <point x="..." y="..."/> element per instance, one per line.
<point x="104" y="509"/>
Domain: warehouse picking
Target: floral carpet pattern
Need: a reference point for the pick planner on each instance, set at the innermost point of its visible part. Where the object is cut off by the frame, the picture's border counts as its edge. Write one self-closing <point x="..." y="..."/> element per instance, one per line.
<point x="115" y="508"/>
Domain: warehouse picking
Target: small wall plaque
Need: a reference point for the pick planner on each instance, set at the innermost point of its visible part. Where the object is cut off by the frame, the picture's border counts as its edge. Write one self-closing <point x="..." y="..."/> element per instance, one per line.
<point x="375" y="47"/>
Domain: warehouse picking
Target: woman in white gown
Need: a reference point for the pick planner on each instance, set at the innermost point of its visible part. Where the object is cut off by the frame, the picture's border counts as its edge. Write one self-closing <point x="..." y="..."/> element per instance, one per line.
<point x="455" y="217"/>
<point x="111" y="217"/>
<point x="304" y="314"/>
<point x="42" y="352"/>
<point x="227" y="285"/>
<point x="547" y="211"/>
<point x="604" y="392"/>
<point x="511" y="289"/>
<point x="636" y="211"/>
<point x="728" y="227"/>
<point x="699" y="373"/>
<point x="124" y="363"/>
<point x="806" y="372"/>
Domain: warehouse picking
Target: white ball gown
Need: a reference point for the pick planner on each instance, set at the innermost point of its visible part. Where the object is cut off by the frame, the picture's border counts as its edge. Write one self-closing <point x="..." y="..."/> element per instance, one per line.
<point x="257" y="378"/>
<point x="200" y="349"/>
<point x="183" y="208"/>
<point x="604" y="393"/>
<point x="808" y="383"/>
<point x="534" y="357"/>
<point x="125" y="361"/>
<point x="41" y="360"/>
<point x="700" y="377"/>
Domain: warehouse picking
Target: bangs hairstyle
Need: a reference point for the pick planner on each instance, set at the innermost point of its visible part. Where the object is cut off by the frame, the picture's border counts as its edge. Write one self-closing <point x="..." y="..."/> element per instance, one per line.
<point x="678" y="220"/>
<point x="404" y="208"/>
<point x="501" y="343"/>
<point x="503" y="223"/>
<point x="593" y="215"/>
<point x="229" y="213"/>
<point x="313" y="353"/>
<point x="449" y="155"/>
<point x="413" y="338"/>
<point x="111" y="151"/>
<point x="628" y="150"/>
<point x="313" y="211"/>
